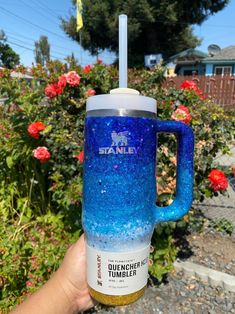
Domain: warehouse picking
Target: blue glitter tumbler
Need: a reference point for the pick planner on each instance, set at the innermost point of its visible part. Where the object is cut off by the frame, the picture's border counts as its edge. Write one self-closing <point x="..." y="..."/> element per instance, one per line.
<point x="119" y="196"/>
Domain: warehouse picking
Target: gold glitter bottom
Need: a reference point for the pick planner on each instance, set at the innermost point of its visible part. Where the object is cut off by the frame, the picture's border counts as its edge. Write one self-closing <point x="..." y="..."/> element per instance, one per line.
<point x="116" y="299"/>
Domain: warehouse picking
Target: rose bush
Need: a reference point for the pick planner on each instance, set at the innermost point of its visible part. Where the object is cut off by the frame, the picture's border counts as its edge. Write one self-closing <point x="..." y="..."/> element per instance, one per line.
<point x="213" y="128"/>
<point x="41" y="156"/>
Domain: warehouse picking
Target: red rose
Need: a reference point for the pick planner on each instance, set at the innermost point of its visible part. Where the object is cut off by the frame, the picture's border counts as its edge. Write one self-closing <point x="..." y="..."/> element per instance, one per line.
<point x="73" y="78"/>
<point x="50" y="91"/>
<point x="90" y="92"/>
<point x="189" y="85"/>
<point x="35" y="128"/>
<point x="87" y="69"/>
<point x="58" y="88"/>
<point x="53" y="90"/>
<point x="182" y="114"/>
<point x="62" y="81"/>
<point x="80" y="156"/>
<point x="200" y="94"/>
<point x="42" y="154"/>
<point x="218" y="180"/>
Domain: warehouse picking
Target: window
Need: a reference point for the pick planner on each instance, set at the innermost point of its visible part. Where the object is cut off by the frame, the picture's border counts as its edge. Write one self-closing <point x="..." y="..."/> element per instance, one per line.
<point x="190" y="72"/>
<point x="153" y="61"/>
<point x="223" y="70"/>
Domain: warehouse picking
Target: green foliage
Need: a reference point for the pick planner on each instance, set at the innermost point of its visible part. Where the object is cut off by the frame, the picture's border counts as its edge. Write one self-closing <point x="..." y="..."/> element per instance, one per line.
<point x="214" y="130"/>
<point x="42" y="50"/>
<point x="8" y="57"/>
<point x="153" y="26"/>
<point x="163" y="250"/>
<point x="40" y="203"/>
<point x="56" y="185"/>
<point x="30" y="251"/>
<point x="223" y="225"/>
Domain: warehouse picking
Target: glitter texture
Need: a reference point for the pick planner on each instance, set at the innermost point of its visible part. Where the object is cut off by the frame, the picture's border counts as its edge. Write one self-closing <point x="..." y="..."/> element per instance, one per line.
<point x="119" y="196"/>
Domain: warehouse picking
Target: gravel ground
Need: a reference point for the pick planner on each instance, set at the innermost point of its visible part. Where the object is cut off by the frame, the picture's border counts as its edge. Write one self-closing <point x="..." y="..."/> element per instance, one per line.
<point x="179" y="295"/>
<point x="214" y="250"/>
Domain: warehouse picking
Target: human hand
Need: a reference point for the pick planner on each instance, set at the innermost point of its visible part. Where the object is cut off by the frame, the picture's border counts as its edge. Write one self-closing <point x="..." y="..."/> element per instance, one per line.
<point x="72" y="276"/>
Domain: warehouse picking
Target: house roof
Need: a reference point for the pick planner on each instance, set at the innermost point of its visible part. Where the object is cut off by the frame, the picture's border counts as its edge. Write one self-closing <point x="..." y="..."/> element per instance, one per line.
<point x="21" y="75"/>
<point x="189" y="53"/>
<point x="226" y="54"/>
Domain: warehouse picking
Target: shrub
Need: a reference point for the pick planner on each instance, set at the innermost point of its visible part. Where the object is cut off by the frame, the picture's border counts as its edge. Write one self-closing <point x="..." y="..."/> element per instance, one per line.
<point x="41" y="157"/>
<point x="30" y="251"/>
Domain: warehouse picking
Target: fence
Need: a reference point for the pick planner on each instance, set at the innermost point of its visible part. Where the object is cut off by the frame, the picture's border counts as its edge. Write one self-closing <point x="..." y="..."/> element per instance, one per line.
<point x="221" y="89"/>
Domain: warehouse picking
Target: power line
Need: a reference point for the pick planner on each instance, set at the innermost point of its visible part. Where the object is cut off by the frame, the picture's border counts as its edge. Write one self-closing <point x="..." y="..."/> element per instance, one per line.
<point x="43" y="6"/>
<point x="14" y="38"/>
<point x="41" y="14"/>
<point x="52" y="55"/>
<point x="28" y="22"/>
<point x="33" y="39"/>
<point x="21" y="46"/>
<point x="57" y="52"/>
<point x="35" y="25"/>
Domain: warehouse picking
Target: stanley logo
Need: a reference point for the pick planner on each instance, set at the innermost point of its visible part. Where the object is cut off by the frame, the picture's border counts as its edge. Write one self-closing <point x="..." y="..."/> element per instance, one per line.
<point x="119" y="145"/>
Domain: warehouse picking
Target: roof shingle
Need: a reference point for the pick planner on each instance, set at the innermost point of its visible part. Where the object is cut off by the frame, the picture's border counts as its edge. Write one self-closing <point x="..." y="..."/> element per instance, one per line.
<point x="225" y="54"/>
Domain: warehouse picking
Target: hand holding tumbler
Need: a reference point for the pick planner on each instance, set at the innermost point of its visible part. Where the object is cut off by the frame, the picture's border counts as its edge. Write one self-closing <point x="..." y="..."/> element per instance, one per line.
<point x="119" y="194"/>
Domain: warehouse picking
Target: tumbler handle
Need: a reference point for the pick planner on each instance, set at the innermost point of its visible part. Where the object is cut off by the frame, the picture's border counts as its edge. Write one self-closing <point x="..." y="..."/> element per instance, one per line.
<point x="184" y="177"/>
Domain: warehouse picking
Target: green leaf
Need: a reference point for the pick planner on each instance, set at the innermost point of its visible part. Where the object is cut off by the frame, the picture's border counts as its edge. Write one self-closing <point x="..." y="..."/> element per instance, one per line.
<point x="10" y="162"/>
<point x="47" y="129"/>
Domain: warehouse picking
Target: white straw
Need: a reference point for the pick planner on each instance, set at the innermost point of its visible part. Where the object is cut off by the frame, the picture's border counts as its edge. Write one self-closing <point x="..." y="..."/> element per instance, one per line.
<point x="123" y="51"/>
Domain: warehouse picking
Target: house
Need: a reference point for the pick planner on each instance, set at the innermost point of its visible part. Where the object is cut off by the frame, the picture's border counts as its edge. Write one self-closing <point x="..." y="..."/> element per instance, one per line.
<point x="151" y="61"/>
<point x="189" y="62"/>
<point x="221" y="62"/>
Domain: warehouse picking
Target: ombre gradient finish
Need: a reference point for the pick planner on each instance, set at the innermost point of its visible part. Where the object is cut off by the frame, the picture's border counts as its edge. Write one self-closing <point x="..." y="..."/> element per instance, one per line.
<point x="119" y="196"/>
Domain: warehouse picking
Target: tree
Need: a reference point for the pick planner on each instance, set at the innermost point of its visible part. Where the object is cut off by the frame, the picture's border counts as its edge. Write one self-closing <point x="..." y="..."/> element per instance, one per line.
<point x="154" y="26"/>
<point x="8" y="57"/>
<point x="42" y="50"/>
<point x="72" y="61"/>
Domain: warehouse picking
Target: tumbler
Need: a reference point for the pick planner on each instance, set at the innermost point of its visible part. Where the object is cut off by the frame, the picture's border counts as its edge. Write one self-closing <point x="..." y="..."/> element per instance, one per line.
<point x="119" y="191"/>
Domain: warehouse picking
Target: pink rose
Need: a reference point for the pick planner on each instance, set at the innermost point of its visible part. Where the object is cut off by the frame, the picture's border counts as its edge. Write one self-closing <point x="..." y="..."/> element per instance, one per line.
<point x="182" y="114"/>
<point x="50" y="91"/>
<point x="42" y="154"/>
<point x="72" y="78"/>
<point x="90" y="92"/>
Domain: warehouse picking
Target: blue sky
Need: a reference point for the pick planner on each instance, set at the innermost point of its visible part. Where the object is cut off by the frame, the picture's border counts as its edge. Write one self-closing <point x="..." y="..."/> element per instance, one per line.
<point x="218" y="29"/>
<point x="25" y="20"/>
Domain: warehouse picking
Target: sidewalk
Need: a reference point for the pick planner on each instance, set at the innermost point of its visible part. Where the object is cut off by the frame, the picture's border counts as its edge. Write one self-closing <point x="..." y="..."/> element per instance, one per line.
<point x="221" y="206"/>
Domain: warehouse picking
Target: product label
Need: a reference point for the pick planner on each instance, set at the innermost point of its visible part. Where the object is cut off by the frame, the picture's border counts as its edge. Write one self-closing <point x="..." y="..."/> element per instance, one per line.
<point x="117" y="273"/>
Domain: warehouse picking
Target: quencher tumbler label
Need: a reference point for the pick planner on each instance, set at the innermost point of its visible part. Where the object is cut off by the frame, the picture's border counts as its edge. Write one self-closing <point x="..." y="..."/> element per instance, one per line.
<point x="117" y="273"/>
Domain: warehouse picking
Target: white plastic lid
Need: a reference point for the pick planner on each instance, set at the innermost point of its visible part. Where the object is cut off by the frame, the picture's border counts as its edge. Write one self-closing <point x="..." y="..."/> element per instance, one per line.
<point x="122" y="98"/>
